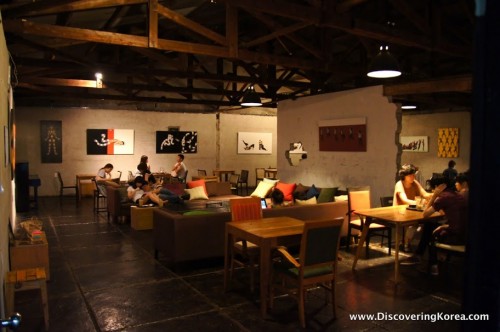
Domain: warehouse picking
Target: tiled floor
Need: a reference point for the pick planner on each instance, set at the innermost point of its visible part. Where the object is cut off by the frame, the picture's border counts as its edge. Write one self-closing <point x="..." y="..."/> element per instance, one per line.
<point x="104" y="278"/>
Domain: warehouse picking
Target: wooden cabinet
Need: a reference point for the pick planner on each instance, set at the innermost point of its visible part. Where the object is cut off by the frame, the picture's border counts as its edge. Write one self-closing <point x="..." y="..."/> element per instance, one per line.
<point x="27" y="255"/>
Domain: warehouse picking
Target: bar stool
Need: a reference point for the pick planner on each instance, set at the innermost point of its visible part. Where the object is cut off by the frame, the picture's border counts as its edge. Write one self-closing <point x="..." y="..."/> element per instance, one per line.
<point x="21" y="280"/>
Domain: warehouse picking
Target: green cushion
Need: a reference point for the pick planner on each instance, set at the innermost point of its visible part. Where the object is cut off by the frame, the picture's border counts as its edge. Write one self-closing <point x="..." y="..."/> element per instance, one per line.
<point x="197" y="212"/>
<point x="327" y="195"/>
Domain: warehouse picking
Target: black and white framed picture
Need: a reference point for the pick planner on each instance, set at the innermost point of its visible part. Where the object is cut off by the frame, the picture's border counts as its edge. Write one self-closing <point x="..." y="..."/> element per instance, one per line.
<point x="110" y="141"/>
<point x="255" y="143"/>
<point x="174" y="141"/>
<point x="51" y="141"/>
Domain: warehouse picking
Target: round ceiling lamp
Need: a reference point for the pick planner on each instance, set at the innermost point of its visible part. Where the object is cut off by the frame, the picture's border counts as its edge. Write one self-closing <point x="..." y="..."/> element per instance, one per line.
<point x="384" y="65"/>
<point x="251" y="98"/>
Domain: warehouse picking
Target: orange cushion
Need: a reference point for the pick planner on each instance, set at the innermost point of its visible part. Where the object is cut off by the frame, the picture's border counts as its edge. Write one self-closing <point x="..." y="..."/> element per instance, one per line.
<point x="287" y="189"/>
<point x="197" y="183"/>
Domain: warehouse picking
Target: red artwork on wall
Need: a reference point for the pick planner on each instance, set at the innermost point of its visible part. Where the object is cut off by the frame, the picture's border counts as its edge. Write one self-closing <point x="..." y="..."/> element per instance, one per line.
<point x="350" y="137"/>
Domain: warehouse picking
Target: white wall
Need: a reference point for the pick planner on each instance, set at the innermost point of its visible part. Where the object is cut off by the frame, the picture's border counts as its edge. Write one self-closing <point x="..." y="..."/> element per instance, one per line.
<point x="298" y="121"/>
<point x="75" y="122"/>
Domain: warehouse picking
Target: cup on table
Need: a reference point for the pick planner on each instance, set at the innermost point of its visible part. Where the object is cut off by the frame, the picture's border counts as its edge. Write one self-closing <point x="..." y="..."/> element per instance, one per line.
<point x="419" y="202"/>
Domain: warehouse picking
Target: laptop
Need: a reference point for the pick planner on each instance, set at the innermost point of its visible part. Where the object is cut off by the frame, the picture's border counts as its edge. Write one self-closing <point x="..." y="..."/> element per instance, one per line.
<point x="263" y="203"/>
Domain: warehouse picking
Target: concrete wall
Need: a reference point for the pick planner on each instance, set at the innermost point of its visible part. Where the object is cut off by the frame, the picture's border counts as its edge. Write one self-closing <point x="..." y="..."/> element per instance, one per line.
<point x="428" y="125"/>
<point x="298" y="121"/>
<point x="75" y="122"/>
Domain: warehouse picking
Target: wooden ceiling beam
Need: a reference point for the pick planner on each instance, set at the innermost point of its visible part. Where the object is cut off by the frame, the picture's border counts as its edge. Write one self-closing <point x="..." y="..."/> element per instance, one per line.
<point x="47" y="30"/>
<point x="190" y="24"/>
<point x="275" y="34"/>
<point x="48" y="7"/>
<point x="452" y="84"/>
<point x="109" y="70"/>
<point x="61" y="82"/>
<point x="411" y="15"/>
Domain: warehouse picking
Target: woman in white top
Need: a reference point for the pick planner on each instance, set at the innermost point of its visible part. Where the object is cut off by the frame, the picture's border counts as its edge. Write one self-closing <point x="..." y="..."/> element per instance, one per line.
<point x="103" y="175"/>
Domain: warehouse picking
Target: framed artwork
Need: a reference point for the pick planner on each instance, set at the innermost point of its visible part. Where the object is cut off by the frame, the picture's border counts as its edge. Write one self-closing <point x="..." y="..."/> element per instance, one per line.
<point x="448" y="142"/>
<point x="51" y="141"/>
<point x="174" y="141"/>
<point x="414" y="143"/>
<point x="110" y="141"/>
<point x="255" y="143"/>
<point x="343" y="135"/>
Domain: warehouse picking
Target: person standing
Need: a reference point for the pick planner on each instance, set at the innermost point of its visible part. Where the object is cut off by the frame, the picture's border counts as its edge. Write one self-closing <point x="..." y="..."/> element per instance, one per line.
<point x="179" y="170"/>
<point x="451" y="173"/>
<point x="406" y="191"/>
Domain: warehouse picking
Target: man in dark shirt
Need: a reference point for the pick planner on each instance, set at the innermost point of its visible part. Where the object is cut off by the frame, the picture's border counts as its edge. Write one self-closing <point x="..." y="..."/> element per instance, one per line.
<point x="451" y="204"/>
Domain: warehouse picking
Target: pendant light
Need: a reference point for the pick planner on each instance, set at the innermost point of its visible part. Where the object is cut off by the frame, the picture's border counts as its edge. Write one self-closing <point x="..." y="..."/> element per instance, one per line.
<point x="384" y="65"/>
<point x="251" y="98"/>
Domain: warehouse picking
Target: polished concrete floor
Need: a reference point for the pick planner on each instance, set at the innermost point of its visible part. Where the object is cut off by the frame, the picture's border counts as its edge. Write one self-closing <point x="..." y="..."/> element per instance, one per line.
<point x="104" y="278"/>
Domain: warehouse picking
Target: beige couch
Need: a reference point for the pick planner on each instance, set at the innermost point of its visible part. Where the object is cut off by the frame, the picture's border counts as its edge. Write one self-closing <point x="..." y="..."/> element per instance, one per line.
<point x="179" y="237"/>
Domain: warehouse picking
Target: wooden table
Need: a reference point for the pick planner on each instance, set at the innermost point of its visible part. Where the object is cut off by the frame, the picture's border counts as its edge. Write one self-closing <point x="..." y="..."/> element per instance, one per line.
<point x="394" y="216"/>
<point x="207" y="178"/>
<point x="265" y="233"/>
<point x="271" y="173"/>
<point x="223" y="172"/>
<point x="82" y="178"/>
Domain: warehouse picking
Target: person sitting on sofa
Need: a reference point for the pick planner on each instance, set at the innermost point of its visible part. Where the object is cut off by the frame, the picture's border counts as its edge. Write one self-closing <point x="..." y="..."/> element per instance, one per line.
<point x="277" y="198"/>
<point x="143" y="170"/>
<point x="141" y="193"/>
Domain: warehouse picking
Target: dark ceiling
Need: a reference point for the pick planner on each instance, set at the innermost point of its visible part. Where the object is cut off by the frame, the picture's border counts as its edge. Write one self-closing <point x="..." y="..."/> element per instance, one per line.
<point x="200" y="55"/>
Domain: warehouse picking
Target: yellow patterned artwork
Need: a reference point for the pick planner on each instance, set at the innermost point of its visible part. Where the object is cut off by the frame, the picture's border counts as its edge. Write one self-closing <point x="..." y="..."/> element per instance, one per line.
<point x="448" y="142"/>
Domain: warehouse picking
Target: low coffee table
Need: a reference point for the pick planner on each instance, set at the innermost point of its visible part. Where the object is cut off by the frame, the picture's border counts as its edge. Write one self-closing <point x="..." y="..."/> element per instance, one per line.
<point x="141" y="217"/>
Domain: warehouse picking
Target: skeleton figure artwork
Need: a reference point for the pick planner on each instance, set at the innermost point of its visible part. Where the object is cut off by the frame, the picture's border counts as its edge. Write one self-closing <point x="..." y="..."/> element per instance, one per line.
<point x="176" y="141"/>
<point x="51" y="141"/>
<point x="110" y="141"/>
<point x="105" y="141"/>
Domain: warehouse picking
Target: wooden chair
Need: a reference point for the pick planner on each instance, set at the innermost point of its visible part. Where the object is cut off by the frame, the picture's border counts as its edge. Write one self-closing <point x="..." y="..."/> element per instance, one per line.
<point x="233" y="181"/>
<point x="243" y="253"/>
<point x="202" y="172"/>
<point x="243" y="181"/>
<point x="62" y="187"/>
<point x="259" y="175"/>
<point x="316" y="265"/>
<point x="358" y="198"/>
<point x="386" y="200"/>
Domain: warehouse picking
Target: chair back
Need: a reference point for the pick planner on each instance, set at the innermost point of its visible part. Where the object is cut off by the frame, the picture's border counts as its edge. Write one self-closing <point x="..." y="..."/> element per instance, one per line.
<point x="247" y="208"/>
<point x="320" y="243"/>
<point x="358" y="198"/>
<point x="234" y="179"/>
<point x="202" y="172"/>
<point x="260" y="173"/>
<point x="386" y="201"/>
<point x="244" y="176"/>
<point x="59" y="179"/>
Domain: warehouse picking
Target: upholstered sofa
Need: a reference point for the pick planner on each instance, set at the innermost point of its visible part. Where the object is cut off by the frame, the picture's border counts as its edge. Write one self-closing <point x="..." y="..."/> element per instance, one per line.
<point x="179" y="237"/>
<point x="119" y="206"/>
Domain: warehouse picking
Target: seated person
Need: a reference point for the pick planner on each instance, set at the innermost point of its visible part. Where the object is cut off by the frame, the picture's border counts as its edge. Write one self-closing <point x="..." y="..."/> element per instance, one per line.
<point x="277" y="198"/>
<point x="163" y="193"/>
<point x="179" y="170"/>
<point x="103" y="175"/>
<point x="143" y="170"/>
<point x="141" y="193"/>
<point x="462" y="184"/>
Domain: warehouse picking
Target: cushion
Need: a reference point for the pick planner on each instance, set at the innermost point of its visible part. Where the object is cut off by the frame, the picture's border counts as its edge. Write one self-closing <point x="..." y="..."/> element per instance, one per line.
<point x="310" y="201"/>
<point x="312" y="192"/>
<point x="262" y="189"/>
<point x="197" y="213"/>
<point x="197" y="183"/>
<point x="287" y="189"/>
<point x="327" y="195"/>
<point x="272" y="181"/>
<point x="196" y="193"/>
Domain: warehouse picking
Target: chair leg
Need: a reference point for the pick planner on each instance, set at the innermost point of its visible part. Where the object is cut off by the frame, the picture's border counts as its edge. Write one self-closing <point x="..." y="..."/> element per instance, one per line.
<point x="302" y="314"/>
<point x="367" y="243"/>
<point x="334" y="307"/>
<point x="389" y="230"/>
